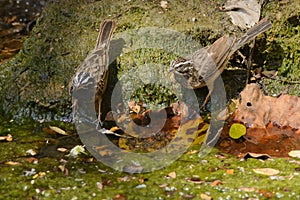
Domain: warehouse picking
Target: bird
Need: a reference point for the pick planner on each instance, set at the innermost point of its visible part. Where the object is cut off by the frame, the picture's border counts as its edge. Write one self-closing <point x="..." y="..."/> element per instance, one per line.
<point x="202" y="67"/>
<point x="91" y="76"/>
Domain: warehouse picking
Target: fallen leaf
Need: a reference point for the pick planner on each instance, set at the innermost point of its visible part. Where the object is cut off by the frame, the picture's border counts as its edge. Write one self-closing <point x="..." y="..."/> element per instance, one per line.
<point x="272" y="124"/>
<point x="115" y="128"/>
<point x="188" y="196"/>
<point x="294" y="154"/>
<point x="196" y="179"/>
<point x="119" y="197"/>
<point x="141" y="180"/>
<point x="237" y="130"/>
<point x="164" y="4"/>
<point x="61" y="149"/>
<point x="99" y="185"/>
<point x="205" y="197"/>
<point x="216" y="182"/>
<point x="256" y="155"/>
<point x="58" y="130"/>
<point x="243" y="13"/>
<point x="281" y="111"/>
<point x="31" y="160"/>
<point x="8" y="138"/>
<point x="65" y="171"/>
<point x="124" y="179"/>
<point x="163" y="185"/>
<point x="266" y="193"/>
<point x="61" y="167"/>
<point x="31" y="152"/>
<point x="12" y="163"/>
<point x="230" y="171"/>
<point x="172" y="175"/>
<point x="247" y="189"/>
<point x="266" y="171"/>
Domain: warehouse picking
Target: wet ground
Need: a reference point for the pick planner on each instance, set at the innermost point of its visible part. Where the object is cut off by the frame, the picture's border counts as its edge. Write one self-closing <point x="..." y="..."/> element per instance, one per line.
<point x="17" y="18"/>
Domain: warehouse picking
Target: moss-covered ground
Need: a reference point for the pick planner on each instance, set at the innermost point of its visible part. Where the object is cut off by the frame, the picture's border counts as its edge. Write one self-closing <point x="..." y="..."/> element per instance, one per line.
<point x="34" y="84"/>
<point x="52" y="175"/>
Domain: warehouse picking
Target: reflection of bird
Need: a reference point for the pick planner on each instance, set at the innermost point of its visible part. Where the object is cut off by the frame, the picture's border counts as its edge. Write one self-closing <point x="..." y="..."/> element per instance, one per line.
<point x="93" y="72"/>
<point x="203" y="66"/>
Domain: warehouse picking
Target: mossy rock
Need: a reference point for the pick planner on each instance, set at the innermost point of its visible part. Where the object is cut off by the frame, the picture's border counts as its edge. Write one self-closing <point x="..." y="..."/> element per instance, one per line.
<point x="35" y="82"/>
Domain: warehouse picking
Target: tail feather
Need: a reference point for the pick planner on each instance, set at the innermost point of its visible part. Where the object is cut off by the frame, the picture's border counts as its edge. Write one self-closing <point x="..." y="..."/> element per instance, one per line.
<point x="262" y="26"/>
<point x="106" y="30"/>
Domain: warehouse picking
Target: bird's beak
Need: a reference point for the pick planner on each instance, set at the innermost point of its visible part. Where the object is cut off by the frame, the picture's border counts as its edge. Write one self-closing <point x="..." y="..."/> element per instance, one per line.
<point x="171" y="69"/>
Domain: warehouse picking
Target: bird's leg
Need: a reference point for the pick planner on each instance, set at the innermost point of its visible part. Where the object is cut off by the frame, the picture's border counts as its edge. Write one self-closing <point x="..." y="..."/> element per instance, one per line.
<point x="249" y="61"/>
<point x="243" y="57"/>
<point x="98" y="122"/>
<point x="210" y="86"/>
<point x="206" y="99"/>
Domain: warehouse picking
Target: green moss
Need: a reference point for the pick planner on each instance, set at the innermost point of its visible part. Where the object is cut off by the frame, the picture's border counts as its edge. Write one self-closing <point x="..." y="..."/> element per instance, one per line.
<point x="39" y="75"/>
<point x="283" y="49"/>
<point x="82" y="177"/>
<point x="35" y="83"/>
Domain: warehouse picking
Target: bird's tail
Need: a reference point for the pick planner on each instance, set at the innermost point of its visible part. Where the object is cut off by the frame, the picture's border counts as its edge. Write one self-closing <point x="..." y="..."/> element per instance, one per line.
<point x="106" y="30"/>
<point x="262" y="26"/>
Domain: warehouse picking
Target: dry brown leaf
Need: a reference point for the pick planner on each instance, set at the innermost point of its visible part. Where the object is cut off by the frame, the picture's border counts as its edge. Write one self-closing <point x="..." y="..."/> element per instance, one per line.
<point x="120" y="197"/>
<point x="61" y="149"/>
<point x="216" y="182"/>
<point x="31" y="159"/>
<point x="266" y="171"/>
<point x="272" y="125"/>
<point x="230" y="171"/>
<point x="205" y="197"/>
<point x="12" y="163"/>
<point x="163" y="185"/>
<point x="124" y="179"/>
<point x="8" y="138"/>
<point x="266" y="193"/>
<point x="58" y="130"/>
<point x="255" y="155"/>
<point x="172" y="175"/>
<point x="31" y="152"/>
<point x="164" y="4"/>
<point x="247" y="189"/>
<point x="115" y="128"/>
<point x="99" y="185"/>
<point x="243" y="13"/>
<point x="196" y="179"/>
<point x="295" y="153"/>
<point x="257" y="110"/>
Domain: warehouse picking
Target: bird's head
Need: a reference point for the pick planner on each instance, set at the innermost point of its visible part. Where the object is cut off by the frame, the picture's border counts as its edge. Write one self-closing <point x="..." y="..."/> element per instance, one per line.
<point x="82" y="83"/>
<point x="180" y="66"/>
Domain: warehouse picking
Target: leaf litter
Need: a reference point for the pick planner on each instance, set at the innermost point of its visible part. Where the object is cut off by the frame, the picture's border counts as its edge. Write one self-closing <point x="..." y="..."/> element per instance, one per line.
<point x="272" y="125"/>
